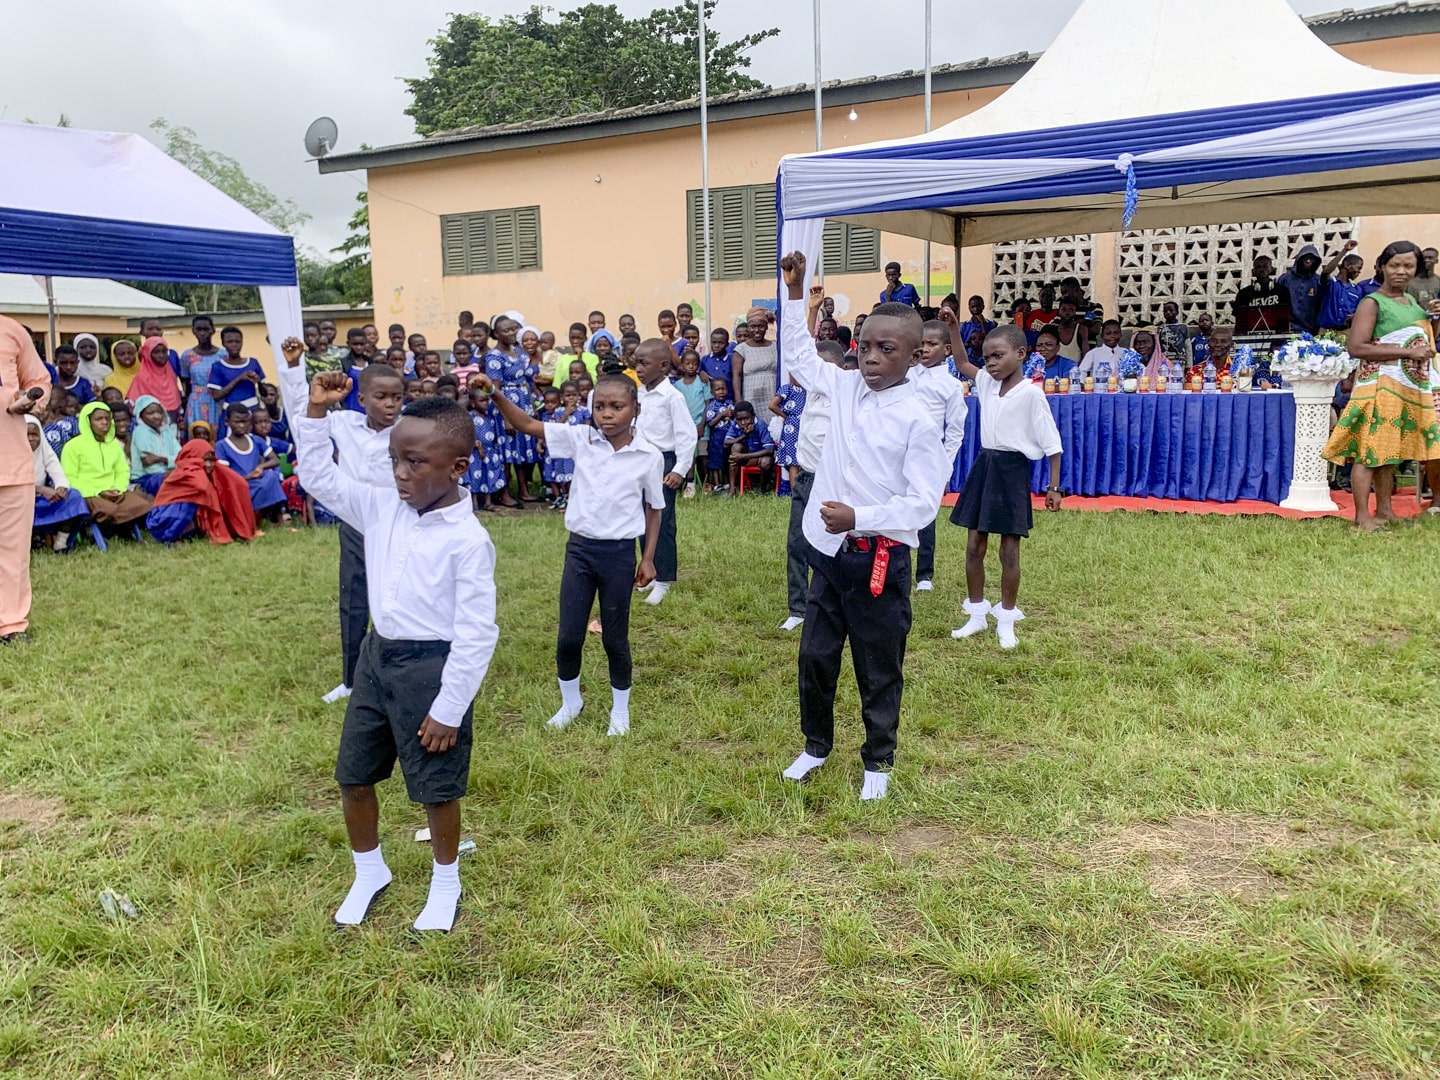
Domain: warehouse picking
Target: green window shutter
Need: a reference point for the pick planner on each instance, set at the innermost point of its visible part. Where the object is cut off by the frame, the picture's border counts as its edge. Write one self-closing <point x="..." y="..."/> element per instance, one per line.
<point x="764" y="233"/>
<point x="834" y="247"/>
<point x="453" y="247"/>
<point x="862" y="250"/>
<point x="694" y="237"/>
<point x="503" y="241"/>
<point x="477" y="244"/>
<point x="732" y="224"/>
<point x="527" y="238"/>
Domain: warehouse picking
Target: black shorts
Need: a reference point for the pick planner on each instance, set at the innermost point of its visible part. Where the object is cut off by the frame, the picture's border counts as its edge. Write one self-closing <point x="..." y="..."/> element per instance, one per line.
<point x="395" y="684"/>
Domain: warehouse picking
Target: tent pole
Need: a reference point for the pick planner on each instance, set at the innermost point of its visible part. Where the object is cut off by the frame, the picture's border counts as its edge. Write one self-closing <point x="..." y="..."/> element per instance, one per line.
<point x="819" y="122"/>
<point x="50" y="306"/>
<point x="927" y="131"/>
<point x="959" y="246"/>
<point x="705" y="167"/>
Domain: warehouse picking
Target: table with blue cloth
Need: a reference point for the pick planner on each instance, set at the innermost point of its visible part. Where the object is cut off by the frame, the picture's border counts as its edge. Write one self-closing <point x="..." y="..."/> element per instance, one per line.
<point x="1215" y="447"/>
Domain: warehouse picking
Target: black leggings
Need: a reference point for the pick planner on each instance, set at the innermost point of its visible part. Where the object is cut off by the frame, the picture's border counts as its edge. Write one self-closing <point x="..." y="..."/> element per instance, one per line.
<point x="606" y="567"/>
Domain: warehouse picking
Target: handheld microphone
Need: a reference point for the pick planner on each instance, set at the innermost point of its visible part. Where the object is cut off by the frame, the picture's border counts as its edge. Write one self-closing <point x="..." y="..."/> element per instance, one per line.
<point x="35" y="393"/>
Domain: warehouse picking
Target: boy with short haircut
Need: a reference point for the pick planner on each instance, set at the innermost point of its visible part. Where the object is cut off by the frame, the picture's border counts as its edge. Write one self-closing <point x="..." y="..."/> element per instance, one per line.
<point x="596" y="321"/>
<point x="664" y="422"/>
<point x="716" y="363"/>
<point x="684" y="316"/>
<point x="881" y="476"/>
<point x="1108" y="350"/>
<point x="67" y="374"/>
<point x="665" y="322"/>
<point x="362" y="441"/>
<point x="944" y="397"/>
<point x="748" y="443"/>
<point x="625" y="324"/>
<point x="435" y="633"/>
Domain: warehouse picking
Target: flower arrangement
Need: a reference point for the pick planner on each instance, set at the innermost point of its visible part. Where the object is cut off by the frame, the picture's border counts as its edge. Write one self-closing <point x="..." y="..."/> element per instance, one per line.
<point x="1034" y="366"/>
<point x="1312" y="358"/>
<point x="1132" y="364"/>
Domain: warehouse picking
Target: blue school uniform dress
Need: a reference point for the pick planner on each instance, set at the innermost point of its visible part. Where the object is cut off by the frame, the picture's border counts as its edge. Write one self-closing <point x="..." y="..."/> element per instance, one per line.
<point x="60" y="432"/>
<point x="352" y="399"/>
<point x="514" y="376"/>
<point x="715" y="448"/>
<point x="1200" y="350"/>
<point x="486" y="475"/>
<point x="548" y="467"/>
<point x="792" y="403"/>
<point x="720" y="366"/>
<point x="561" y="470"/>
<point x="264" y="492"/>
<point x="279" y="447"/>
<point x="246" y="393"/>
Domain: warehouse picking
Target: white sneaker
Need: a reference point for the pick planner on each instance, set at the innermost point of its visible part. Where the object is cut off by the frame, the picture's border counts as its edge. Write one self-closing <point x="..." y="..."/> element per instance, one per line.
<point x="690" y="490"/>
<point x="792" y="623"/>
<point x="1005" y="620"/>
<point x="977" y="623"/>
<point x="340" y="693"/>
<point x="924" y="586"/>
<point x="658" y="590"/>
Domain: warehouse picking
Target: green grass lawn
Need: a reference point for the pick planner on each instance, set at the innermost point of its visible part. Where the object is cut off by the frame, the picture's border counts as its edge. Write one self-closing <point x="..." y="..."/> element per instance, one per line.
<point x="1188" y="829"/>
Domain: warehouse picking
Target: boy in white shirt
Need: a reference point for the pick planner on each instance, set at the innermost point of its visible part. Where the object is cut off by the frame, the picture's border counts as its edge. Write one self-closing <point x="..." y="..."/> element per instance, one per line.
<point x="664" y="422"/>
<point x="944" y="396"/>
<point x="879" y="483"/>
<point x="430" y="571"/>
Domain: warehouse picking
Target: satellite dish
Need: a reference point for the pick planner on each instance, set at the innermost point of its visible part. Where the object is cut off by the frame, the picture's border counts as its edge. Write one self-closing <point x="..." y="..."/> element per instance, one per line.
<point x="320" y="137"/>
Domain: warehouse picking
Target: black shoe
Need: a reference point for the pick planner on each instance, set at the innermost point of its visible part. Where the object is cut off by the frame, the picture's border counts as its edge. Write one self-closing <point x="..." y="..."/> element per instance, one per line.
<point x="18" y="638"/>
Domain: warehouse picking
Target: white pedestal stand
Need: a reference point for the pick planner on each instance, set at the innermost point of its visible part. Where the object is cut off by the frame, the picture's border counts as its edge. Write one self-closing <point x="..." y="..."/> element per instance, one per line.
<point x="1309" y="482"/>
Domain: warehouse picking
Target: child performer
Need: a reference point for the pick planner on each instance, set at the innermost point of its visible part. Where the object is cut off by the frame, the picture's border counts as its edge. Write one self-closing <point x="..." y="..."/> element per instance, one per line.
<point x="433" y="595"/>
<point x="363" y="441"/>
<point x="1016" y="428"/>
<point x="664" y="422"/>
<point x="881" y="474"/>
<point x="944" y="396"/>
<point x="615" y="497"/>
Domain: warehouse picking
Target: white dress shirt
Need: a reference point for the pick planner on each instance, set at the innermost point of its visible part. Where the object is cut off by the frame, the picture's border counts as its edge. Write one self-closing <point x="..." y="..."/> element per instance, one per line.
<point x="364" y="452"/>
<point x="1020" y="420"/>
<point x="814" y="427"/>
<point x="665" y="423"/>
<point x="429" y="577"/>
<point x="883" y="456"/>
<point x="1109" y="353"/>
<point x="944" y="396"/>
<point x="610" y="488"/>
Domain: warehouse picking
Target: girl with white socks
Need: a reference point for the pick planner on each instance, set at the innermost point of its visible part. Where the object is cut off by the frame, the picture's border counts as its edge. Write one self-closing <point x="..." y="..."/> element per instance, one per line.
<point x="616" y="495"/>
<point x="1016" y="428"/>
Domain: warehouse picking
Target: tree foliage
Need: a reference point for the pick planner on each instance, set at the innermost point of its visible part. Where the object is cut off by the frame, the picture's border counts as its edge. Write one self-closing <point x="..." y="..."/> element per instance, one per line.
<point x="351" y="275"/>
<point x="516" y="68"/>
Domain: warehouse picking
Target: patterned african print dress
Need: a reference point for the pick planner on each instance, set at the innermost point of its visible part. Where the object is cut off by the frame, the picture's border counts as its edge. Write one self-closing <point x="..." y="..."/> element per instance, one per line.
<point x="792" y="403"/>
<point x="1391" y="415"/>
<point x="514" y="376"/>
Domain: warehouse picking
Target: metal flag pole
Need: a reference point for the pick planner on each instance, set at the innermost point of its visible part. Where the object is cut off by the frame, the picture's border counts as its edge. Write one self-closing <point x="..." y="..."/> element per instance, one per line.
<point x="927" y="131"/>
<point x="819" y="125"/>
<point x="705" y="167"/>
<point x="50" y="306"/>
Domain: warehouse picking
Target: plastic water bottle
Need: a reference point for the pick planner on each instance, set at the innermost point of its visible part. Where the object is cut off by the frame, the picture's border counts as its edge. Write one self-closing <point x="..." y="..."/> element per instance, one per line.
<point x="1077" y="382"/>
<point x="1210" y="385"/>
<point x="1102" y="376"/>
<point x="1176" y="383"/>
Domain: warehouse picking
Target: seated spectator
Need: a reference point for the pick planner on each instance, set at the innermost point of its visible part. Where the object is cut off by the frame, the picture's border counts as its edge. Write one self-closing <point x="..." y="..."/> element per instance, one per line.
<point x="260" y="471"/>
<point x="124" y="421"/>
<point x="1222" y="339"/>
<point x="977" y="320"/>
<point x="154" y="446"/>
<point x="125" y="365"/>
<point x="58" y="509"/>
<point x="87" y="346"/>
<point x="1047" y="345"/>
<point x="197" y="498"/>
<point x="748" y="443"/>
<point x="1108" y="350"/>
<point x="1074" y="333"/>
<point x="67" y="368"/>
<point x="96" y="466"/>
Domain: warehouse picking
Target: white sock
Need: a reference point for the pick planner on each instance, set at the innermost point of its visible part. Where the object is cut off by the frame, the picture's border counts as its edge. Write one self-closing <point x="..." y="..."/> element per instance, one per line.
<point x="977" y="610"/>
<point x="875" y="786"/>
<point x="658" y="592"/>
<point x="340" y="693"/>
<point x="371" y="877"/>
<point x="1005" y="620"/>
<point x="571" y="704"/>
<point x="62" y="541"/>
<point x="619" y="711"/>
<point x="803" y="766"/>
<point x="792" y="623"/>
<point x="444" y="901"/>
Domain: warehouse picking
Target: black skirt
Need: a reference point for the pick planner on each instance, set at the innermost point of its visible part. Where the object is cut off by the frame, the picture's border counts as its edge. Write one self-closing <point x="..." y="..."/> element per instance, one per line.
<point x="996" y="495"/>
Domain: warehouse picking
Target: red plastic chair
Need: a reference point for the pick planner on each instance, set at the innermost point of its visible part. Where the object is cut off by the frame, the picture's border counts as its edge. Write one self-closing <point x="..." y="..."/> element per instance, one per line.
<point x="754" y="471"/>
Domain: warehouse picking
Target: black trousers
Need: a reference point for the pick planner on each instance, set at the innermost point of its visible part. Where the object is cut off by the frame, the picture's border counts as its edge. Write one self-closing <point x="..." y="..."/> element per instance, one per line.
<point x="607" y="568"/>
<point x="841" y="606"/>
<point x="395" y="685"/>
<point x="667" y="559"/>
<point x="354" y="600"/>
<point x="797" y="548"/>
<point x="925" y="556"/>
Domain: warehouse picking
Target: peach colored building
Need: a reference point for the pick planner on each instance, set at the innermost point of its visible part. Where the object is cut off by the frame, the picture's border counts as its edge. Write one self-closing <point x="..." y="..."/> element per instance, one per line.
<point x="560" y="217"/>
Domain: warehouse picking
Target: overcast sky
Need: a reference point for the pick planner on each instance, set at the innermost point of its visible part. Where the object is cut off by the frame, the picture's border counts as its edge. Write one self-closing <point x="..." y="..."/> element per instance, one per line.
<point x="250" y="75"/>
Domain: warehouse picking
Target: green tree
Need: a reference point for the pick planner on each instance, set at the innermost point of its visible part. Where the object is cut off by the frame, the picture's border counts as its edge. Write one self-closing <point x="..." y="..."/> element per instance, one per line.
<point x="351" y="275"/>
<point x="516" y="68"/>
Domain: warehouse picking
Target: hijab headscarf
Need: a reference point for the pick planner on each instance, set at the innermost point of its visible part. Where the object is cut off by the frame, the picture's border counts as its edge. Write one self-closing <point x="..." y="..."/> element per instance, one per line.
<point x="94" y="465"/>
<point x="602" y="332"/>
<point x="1157" y="355"/>
<point x="93" y="370"/>
<point x="47" y="466"/>
<point x="221" y="498"/>
<point x="123" y="376"/>
<point x="155" y="380"/>
<point x="146" y="440"/>
<point x="520" y="338"/>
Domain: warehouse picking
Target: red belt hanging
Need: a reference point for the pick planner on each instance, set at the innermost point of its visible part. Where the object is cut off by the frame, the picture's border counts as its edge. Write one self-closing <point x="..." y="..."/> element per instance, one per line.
<point x="883" y="544"/>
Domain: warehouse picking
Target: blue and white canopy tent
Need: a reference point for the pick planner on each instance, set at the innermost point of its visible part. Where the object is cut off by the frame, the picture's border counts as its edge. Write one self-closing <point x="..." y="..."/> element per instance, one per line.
<point x="1157" y="112"/>
<point x="78" y="203"/>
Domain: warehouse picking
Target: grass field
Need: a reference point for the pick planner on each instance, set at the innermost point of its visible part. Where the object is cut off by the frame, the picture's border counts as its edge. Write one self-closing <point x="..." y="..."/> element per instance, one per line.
<point x="1188" y="829"/>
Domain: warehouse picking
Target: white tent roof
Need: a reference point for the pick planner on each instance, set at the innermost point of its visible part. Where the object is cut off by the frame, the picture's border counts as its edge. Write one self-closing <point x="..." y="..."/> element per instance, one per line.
<point x="1269" y="122"/>
<point x="21" y="294"/>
